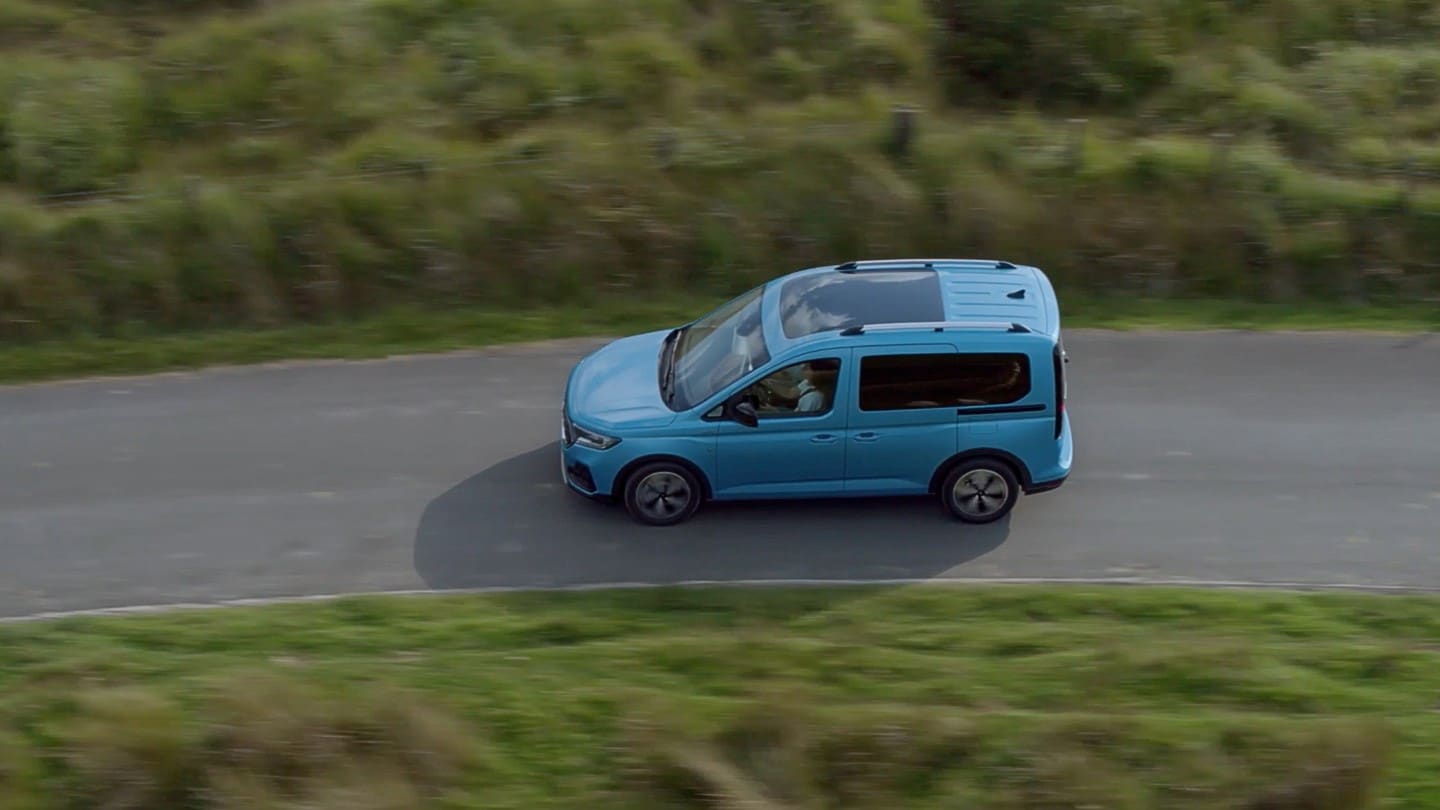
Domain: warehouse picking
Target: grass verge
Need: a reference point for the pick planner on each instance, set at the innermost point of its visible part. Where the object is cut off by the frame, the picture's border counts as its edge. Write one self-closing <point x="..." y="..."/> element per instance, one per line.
<point x="1004" y="697"/>
<point x="412" y="330"/>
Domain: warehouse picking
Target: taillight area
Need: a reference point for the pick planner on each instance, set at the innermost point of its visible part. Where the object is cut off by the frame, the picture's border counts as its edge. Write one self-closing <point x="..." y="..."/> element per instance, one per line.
<point x="1060" y="388"/>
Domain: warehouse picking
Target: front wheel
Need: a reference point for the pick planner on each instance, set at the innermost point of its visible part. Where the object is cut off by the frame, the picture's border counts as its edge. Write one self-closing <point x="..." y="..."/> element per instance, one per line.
<point x="980" y="491"/>
<point x="662" y="494"/>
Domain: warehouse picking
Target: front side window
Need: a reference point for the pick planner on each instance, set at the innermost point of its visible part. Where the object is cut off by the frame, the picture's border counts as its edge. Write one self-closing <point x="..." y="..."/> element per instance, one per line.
<point x="719" y="349"/>
<point x="905" y="381"/>
<point x="799" y="389"/>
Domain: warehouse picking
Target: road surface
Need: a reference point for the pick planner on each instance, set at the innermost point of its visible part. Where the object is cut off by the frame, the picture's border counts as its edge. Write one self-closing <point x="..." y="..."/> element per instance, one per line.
<point x="1215" y="456"/>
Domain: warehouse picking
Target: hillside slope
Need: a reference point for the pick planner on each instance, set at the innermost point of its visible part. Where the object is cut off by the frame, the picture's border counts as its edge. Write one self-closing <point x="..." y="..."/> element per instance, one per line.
<point x="183" y="163"/>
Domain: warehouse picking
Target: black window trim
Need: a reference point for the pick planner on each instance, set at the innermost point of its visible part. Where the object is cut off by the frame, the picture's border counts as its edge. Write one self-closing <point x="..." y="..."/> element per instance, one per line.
<point x="988" y="410"/>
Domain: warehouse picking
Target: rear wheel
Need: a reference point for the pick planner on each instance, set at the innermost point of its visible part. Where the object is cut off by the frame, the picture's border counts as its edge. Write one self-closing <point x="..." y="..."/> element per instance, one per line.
<point x="662" y="494"/>
<point x="980" y="490"/>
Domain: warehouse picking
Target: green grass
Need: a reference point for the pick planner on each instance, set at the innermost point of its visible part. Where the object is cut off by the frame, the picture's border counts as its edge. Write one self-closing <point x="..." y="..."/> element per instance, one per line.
<point x="411" y="330"/>
<point x="399" y="331"/>
<point x="192" y="165"/>
<point x="919" y="697"/>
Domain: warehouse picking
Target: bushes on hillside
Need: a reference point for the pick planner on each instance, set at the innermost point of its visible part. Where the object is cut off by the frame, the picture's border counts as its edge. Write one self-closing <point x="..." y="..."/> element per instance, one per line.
<point x="289" y="162"/>
<point x="574" y="219"/>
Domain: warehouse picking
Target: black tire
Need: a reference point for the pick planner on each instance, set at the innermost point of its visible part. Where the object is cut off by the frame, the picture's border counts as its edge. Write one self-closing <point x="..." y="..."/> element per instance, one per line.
<point x="980" y="490"/>
<point x="662" y="493"/>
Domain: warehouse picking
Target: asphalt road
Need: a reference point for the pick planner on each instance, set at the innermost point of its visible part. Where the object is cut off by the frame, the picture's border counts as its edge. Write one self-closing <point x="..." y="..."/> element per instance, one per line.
<point x="1221" y="456"/>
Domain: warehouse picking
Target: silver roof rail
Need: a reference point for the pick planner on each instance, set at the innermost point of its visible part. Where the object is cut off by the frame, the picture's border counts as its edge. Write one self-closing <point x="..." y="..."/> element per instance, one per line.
<point x="928" y="264"/>
<point x="935" y="326"/>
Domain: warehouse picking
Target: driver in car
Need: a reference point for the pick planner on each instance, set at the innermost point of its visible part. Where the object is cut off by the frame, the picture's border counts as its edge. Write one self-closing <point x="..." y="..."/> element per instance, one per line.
<point x="811" y="391"/>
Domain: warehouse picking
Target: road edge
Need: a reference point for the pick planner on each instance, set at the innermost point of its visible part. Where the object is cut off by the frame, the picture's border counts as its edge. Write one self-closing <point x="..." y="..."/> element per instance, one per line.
<point x="1407" y="338"/>
<point x="1142" y="582"/>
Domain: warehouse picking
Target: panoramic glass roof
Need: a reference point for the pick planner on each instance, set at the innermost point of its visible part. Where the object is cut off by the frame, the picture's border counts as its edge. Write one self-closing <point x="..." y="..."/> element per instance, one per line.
<point x="816" y="303"/>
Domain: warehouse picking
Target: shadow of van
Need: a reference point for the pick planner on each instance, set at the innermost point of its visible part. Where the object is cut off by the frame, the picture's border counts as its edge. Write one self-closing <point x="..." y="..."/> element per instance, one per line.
<point x="517" y="525"/>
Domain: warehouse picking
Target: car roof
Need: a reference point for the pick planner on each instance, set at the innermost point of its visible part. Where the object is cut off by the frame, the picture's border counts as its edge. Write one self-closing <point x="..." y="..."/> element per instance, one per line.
<point x="816" y="302"/>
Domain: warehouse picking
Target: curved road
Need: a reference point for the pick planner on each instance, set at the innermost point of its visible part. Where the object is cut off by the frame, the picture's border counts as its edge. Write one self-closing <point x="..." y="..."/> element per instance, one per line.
<point x="1218" y="456"/>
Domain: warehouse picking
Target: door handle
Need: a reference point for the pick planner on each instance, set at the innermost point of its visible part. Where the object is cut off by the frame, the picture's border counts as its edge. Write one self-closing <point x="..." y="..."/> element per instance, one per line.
<point x="866" y="437"/>
<point x="823" y="438"/>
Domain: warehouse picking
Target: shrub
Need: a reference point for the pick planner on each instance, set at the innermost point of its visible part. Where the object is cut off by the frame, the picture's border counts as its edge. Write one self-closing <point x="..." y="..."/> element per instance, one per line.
<point x="71" y="125"/>
<point x="265" y="742"/>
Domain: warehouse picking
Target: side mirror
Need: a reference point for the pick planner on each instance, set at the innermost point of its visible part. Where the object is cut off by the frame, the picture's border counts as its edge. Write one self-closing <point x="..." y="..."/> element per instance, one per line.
<point x="744" y="413"/>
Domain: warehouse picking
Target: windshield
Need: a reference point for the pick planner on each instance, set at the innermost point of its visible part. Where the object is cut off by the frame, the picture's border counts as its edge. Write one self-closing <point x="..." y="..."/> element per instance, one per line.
<point x="718" y="349"/>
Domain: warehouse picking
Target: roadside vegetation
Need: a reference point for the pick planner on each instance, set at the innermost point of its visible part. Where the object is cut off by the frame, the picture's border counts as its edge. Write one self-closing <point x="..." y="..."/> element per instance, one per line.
<point x="415" y="329"/>
<point x="182" y="166"/>
<point x="769" y="699"/>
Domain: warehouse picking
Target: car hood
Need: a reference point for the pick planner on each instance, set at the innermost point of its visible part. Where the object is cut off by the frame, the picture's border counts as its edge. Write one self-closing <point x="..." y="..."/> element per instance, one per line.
<point x="619" y="384"/>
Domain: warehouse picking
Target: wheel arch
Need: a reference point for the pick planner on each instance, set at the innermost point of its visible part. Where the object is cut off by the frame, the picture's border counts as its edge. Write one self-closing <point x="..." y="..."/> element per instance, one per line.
<point x="1022" y="472"/>
<point x="617" y="486"/>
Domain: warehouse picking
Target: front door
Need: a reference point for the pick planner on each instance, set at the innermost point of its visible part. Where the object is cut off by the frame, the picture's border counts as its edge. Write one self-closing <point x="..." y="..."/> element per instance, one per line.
<point x="798" y="448"/>
<point x="901" y="428"/>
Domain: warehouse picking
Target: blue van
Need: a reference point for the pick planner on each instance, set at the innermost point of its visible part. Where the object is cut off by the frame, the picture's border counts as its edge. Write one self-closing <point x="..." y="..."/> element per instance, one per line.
<point x="941" y="377"/>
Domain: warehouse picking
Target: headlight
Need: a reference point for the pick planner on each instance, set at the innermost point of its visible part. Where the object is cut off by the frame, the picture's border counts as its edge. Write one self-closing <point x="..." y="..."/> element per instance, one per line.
<point x="591" y="439"/>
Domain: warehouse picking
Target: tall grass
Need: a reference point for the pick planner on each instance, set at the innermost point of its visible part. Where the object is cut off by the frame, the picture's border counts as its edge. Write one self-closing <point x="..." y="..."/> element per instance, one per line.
<point x="179" y="165"/>
<point x="257" y="741"/>
<point x="993" y="698"/>
<point x="771" y="755"/>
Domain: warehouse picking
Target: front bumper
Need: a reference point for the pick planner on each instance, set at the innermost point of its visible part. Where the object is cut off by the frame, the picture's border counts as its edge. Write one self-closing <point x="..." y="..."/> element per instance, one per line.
<point x="577" y="476"/>
<point x="585" y="470"/>
<point x="574" y="472"/>
<point x="585" y="475"/>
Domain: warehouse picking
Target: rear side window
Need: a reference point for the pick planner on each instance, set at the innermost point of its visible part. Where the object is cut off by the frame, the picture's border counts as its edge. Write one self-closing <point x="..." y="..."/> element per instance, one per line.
<point x="904" y="381"/>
